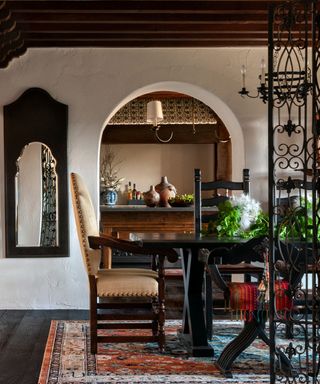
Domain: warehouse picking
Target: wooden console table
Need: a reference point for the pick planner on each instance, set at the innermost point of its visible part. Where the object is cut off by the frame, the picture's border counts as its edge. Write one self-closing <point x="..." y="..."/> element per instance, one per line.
<point x="123" y="219"/>
<point x="120" y="220"/>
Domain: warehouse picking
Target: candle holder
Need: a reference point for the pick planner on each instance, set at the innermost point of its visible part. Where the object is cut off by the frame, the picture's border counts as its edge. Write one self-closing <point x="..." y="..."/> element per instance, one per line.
<point x="287" y="85"/>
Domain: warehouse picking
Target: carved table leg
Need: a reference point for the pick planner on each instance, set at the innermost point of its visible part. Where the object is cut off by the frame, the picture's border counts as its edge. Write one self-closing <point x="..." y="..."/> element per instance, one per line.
<point x="250" y="331"/>
<point x="194" y="330"/>
<point x="235" y="347"/>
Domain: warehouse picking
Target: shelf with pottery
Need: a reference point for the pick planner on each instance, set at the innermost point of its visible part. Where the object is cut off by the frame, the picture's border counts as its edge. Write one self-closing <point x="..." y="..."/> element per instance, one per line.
<point x="143" y="208"/>
<point x="156" y="215"/>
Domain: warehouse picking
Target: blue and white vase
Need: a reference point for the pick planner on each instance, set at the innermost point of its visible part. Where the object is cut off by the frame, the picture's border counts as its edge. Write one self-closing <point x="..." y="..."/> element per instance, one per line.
<point x="110" y="196"/>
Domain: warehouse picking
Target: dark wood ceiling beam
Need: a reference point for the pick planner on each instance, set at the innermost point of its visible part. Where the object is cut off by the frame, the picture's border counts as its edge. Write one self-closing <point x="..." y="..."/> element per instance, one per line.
<point x="126" y="43"/>
<point x="131" y="23"/>
<point x="140" y="28"/>
<point x="137" y="18"/>
<point x="139" y="35"/>
<point x="83" y="36"/>
<point x="126" y="6"/>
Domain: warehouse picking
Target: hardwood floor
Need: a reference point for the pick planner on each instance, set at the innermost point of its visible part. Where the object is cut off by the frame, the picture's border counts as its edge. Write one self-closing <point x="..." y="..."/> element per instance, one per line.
<point x="23" y="336"/>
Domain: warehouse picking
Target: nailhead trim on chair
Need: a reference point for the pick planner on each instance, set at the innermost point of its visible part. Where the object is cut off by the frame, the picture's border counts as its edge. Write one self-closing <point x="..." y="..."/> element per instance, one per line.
<point x="129" y="294"/>
<point x="83" y="232"/>
<point x="126" y="285"/>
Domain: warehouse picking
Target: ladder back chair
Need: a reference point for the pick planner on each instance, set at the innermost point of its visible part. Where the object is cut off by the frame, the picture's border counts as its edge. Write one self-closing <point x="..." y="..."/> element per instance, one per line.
<point x="119" y="294"/>
<point x="240" y="267"/>
<point x="216" y="198"/>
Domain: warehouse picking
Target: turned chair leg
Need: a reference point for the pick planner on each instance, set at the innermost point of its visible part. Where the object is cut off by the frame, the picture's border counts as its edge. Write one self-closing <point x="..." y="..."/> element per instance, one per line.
<point x="208" y="303"/>
<point x="155" y="328"/>
<point x="161" y="326"/>
<point x="155" y="323"/>
<point x="93" y="315"/>
<point x="161" y="315"/>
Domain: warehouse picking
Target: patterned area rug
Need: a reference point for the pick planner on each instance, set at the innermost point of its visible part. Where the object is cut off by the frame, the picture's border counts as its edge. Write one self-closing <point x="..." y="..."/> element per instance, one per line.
<point x="67" y="359"/>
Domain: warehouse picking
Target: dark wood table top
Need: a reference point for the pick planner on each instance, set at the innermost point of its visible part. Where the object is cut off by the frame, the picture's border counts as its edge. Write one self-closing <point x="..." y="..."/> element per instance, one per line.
<point x="182" y="240"/>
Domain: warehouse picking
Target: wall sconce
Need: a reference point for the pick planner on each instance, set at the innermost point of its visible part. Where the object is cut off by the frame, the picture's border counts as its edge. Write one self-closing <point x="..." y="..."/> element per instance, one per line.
<point x="154" y="116"/>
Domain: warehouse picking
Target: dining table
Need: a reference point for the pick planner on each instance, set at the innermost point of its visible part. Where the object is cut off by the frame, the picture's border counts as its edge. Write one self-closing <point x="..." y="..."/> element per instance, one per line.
<point x="194" y="331"/>
<point x="191" y="247"/>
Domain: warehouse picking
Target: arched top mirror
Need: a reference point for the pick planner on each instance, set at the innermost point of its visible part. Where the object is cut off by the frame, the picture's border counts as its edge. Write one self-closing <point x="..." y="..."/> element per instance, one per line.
<point x="36" y="187"/>
<point x="35" y="141"/>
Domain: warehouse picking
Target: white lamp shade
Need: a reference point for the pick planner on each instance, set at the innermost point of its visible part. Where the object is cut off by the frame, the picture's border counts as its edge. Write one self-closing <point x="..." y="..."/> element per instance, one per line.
<point x="154" y="112"/>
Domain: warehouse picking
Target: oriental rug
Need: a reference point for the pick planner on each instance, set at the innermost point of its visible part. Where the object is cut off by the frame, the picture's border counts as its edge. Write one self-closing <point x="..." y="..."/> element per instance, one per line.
<point x="67" y="359"/>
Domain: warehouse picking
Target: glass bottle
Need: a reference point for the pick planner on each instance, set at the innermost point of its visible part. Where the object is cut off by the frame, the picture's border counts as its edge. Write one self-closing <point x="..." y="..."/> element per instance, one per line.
<point x="129" y="192"/>
<point x="134" y="192"/>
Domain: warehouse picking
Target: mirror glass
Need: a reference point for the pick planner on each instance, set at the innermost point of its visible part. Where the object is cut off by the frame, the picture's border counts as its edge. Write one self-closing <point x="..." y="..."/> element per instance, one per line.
<point x="36" y="196"/>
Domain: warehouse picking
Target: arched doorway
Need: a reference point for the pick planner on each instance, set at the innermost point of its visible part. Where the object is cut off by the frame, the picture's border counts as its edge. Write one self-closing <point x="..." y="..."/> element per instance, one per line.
<point x="226" y="122"/>
<point x="147" y="162"/>
<point x="191" y="136"/>
<point x="211" y="100"/>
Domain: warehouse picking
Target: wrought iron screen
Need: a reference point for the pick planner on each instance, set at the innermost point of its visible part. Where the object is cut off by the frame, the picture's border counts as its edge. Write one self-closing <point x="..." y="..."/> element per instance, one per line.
<point x="49" y="233"/>
<point x="294" y="128"/>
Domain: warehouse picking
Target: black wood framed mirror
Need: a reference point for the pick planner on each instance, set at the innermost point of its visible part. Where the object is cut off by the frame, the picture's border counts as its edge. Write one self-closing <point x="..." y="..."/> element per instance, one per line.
<point x="36" y="177"/>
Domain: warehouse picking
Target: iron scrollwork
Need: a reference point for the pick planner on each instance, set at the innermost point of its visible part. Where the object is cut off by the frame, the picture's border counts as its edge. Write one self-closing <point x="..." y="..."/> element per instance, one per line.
<point x="294" y="192"/>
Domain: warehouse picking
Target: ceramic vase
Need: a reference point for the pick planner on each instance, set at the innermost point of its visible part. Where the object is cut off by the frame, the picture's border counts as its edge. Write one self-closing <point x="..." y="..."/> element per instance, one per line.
<point x="111" y="197"/>
<point x="166" y="191"/>
<point x="151" y="197"/>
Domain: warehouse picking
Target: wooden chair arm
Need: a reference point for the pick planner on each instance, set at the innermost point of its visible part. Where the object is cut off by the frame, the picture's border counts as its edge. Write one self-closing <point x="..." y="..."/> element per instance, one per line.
<point x="252" y="250"/>
<point x="217" y="278"/>
<point x="103" y="240"/>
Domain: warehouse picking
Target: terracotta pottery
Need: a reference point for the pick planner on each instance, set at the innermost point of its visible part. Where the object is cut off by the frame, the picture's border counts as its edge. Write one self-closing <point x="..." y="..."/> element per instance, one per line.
<point x="151" y="197"/>
<point x="166" y="190"/>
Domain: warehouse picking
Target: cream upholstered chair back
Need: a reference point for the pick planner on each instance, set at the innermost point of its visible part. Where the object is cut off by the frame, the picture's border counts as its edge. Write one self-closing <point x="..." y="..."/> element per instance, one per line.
<point x="86" y="223"/>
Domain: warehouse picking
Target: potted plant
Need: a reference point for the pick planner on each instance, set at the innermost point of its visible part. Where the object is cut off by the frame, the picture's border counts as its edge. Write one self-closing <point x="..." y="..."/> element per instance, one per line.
<point x="182" y="200"/>
<point x="110" y="182"/>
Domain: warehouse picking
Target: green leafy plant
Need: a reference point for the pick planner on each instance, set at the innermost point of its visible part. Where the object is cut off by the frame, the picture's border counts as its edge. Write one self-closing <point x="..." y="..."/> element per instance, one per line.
<point x="182" y="200"/>
<point x="240" y="217"/>
<point x="297" y="223"/>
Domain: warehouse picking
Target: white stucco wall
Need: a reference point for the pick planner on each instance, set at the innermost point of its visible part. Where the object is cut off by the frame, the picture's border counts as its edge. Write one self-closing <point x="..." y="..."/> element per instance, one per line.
<point x="95" y="83"/>
<point x="145" y="164"/>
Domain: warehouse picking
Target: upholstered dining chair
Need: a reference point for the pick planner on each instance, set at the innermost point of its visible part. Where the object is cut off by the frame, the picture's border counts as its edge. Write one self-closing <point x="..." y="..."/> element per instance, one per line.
<point x="119" y="295"/>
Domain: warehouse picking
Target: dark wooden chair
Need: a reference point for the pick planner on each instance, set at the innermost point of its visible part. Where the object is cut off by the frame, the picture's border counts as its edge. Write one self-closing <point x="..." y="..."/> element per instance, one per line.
<point x="218" y="193"/>
<point x="118" y="294"/>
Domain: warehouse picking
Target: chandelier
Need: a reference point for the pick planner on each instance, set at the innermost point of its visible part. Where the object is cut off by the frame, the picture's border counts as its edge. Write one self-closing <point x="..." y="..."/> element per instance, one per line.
<point x="287" y="84"/>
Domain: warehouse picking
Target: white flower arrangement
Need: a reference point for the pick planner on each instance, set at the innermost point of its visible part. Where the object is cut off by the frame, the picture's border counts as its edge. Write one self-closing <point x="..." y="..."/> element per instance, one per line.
<point x="249" y="208"/>
<point x="242" y="216"/>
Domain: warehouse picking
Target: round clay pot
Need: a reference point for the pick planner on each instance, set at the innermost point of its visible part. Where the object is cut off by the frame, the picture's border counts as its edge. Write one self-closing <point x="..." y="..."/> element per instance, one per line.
<point x="151" y="197"/>
<point x="166" y="190"/>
